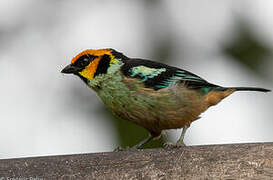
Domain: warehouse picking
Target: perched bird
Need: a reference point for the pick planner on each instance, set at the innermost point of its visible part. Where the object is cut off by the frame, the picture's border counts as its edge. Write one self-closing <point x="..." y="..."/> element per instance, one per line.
<point x="150" y="94"/>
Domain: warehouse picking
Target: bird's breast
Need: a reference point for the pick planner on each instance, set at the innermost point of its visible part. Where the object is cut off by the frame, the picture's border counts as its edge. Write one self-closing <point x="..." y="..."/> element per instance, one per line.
<point x="154" y="110"/>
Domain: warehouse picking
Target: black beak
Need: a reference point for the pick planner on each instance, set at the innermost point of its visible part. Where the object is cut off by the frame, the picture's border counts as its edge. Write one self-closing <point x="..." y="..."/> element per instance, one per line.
<point x="70" y="69"/>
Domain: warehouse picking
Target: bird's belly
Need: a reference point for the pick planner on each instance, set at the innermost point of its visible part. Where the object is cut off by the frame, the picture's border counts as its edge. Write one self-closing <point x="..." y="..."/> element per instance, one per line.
<point x="132" y="107"/>
<point x="153" y="111"/>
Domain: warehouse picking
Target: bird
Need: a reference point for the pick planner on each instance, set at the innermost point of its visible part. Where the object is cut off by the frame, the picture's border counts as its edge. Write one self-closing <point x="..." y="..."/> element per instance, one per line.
<point x="151" y="94"/>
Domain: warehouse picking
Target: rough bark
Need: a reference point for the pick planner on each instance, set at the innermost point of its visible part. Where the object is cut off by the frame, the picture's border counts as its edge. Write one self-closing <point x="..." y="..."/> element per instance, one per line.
<point x="234" y="161"/>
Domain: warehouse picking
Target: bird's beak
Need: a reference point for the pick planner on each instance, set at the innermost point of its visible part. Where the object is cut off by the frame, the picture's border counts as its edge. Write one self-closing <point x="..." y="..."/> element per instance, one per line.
<point x="70" y="69"/>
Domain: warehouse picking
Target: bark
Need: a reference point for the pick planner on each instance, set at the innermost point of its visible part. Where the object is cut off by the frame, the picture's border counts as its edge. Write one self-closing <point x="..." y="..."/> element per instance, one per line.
<point x="233" y="161"/>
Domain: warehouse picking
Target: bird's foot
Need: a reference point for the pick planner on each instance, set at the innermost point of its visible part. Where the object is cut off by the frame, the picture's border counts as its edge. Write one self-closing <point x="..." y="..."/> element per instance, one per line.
<point x="180" y="144"/>
<point x="118" y="149"/>
<point x="127" y="148"/>
<point x="171" y="145"/>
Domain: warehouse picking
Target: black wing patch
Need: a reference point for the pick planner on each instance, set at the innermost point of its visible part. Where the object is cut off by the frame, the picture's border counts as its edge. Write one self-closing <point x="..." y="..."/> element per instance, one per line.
<point x="157" y="75"/>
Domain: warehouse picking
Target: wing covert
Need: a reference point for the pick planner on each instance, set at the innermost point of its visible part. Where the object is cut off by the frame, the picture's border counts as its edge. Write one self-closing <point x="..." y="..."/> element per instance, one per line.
<point x="157" y="75"/>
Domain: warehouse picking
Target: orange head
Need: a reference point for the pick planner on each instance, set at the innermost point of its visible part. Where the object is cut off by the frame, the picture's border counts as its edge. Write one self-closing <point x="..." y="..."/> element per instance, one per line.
<point x="92" y="62"/>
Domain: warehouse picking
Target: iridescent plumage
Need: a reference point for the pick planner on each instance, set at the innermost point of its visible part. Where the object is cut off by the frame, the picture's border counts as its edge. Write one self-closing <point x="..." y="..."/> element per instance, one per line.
<point x="151" y="94"/>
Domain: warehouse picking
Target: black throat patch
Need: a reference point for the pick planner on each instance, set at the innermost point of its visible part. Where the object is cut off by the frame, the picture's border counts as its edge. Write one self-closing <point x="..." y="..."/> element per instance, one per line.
<point x="82" y="78"/>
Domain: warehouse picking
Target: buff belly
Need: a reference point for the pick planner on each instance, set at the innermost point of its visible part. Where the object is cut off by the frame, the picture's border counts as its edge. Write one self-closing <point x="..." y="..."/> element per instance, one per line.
<point x="168" y="108"/>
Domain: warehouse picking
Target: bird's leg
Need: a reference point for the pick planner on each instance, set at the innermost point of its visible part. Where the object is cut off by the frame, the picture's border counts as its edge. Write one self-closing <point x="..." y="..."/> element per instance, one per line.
<point x="166" y="144"/>
<point x="145" y="141"/>
<point x="180" y="141"/>
<point x="164" y="134"/>
<point x="137" y="146"/>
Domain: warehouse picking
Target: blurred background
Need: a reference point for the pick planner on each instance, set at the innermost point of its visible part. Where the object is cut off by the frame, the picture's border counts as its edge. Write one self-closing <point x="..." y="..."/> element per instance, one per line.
<point x="43" y="112"/>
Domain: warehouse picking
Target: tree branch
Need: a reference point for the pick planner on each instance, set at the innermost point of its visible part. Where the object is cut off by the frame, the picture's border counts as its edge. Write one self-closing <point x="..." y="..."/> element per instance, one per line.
<point x="232" y="161"/>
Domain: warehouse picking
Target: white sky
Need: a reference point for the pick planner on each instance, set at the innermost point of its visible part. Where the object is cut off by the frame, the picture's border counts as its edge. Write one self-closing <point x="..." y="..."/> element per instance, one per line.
<point x="44" y="112"/>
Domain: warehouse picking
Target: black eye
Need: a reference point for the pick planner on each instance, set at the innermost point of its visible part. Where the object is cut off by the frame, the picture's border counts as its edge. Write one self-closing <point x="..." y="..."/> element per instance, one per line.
<point x="84" y="61"/>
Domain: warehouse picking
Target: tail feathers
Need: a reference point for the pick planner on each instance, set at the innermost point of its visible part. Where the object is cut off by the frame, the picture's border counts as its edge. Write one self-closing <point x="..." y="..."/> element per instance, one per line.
<point x="248" y="89"/>
<point x="219" y="93"/>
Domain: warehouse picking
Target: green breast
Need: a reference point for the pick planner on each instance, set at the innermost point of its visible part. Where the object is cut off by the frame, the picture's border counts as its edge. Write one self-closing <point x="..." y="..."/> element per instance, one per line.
<point x="118" y="97"/>
<point x="153" y="110"/>
<point x="127" y="102"/>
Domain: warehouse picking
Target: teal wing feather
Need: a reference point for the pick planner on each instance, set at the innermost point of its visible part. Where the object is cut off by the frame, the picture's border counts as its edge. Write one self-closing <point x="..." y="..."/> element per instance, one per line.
<point x="157" y="75"/>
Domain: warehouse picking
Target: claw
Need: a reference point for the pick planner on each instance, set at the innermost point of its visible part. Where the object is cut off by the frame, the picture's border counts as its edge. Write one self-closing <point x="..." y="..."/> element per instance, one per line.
<point x="119" y="149"/>
<point x="171" y="145"/>
<point x="180" y="144"/>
